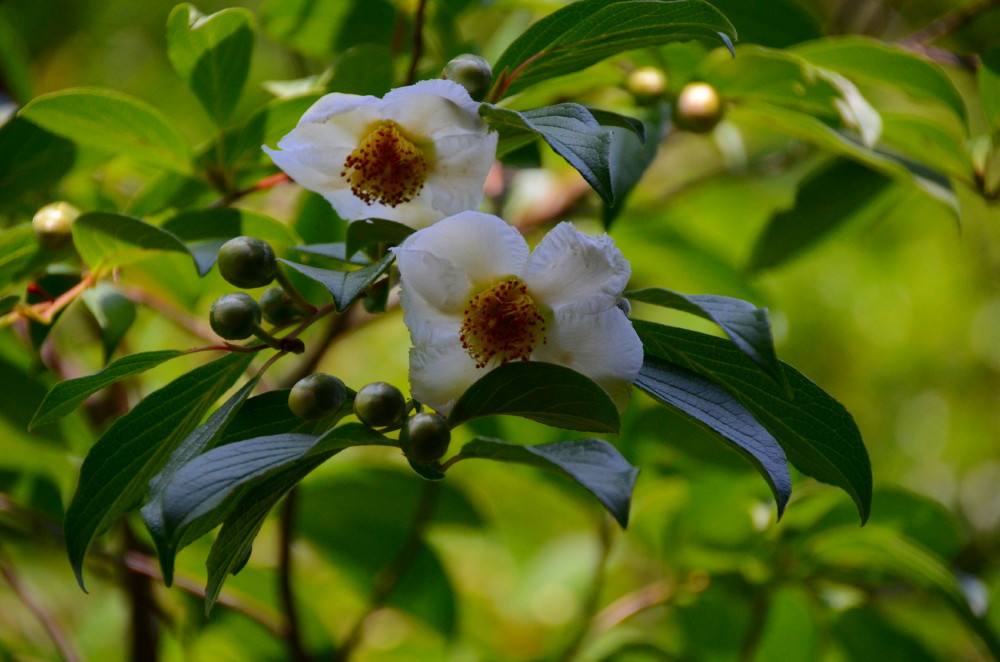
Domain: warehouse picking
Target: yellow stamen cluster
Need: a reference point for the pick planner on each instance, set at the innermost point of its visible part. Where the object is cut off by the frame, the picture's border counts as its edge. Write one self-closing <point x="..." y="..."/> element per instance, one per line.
<point x="502" y="323"/>
<point x="386" y="167"/>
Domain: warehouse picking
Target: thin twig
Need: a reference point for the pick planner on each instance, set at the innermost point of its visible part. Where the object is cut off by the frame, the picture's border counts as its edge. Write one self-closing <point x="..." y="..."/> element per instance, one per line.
<point x="593" y="594"/>
<point x="950" y="22"/>
<point x="38" y="611"/>
<point x="418" y="42"/>
<point x="387" y="580"/>
<point x="261" y="185"/>
<point x="292" y="635"/>
<point x="631" y="604"/>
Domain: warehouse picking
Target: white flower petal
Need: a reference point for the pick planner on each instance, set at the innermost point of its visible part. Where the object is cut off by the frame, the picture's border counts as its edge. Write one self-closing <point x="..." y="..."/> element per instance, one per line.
<point x="602" y="346"/>
<point x="435" y="280"/>
<point x="426" y="323"/>
<point x="336" y="103"/>
<point x="440" y="374"/>
<point x="573" y="271"/>
<point x="433" y="106"/>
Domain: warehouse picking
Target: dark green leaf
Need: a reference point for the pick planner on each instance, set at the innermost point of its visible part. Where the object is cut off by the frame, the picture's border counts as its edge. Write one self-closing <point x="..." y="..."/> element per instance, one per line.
<point x="839" y="192"/>
<point x="570" y="130"/>
<point x="266" y="126"/>
<point x="33" y="159"/>
<point x="262" y="415"/>
<point x="712" y="405"/>
<point x="584" y="33"/>
<point x="748" y="326"/>
<point x="864" y="632"/>
<point x="365" y="69"/>
<point x="334" y="251"/>
<point x="594" y="464"/>
<point x="322" y="27"/>
<point x="205" y="436"/>
<point x="775" y="23"/>
<point x="345" y="286"/>
<point x="205" y="230"/>
<point x="70" y="394"/>
<point x="629" y="158"/>
<point x="885" y="65"/>
<point x="7" y="303"/>
<point x="608" y="119"/>
<point x="369" y="234"/>
<point x="105" y="240"/>
<point x="18" y="247"/>
<point x="818" y="435"/>
<point x="112" y="122"/>
<point x="989" y="86"/>
<point x="211" y="54"/>
<point x="118" y="467"/>
<point x="113" y="311"/>
<point x="15" y="63"/>
<point x="543" y="392"/>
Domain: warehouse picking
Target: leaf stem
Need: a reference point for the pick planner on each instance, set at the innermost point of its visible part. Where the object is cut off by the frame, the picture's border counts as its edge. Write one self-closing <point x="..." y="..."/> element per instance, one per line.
<point x="292" y="634"/>
<point x="261" y="185"/>
<point x="390" y="576"/>
<point x="66" y="651"/>
<point x="418" y="42"/>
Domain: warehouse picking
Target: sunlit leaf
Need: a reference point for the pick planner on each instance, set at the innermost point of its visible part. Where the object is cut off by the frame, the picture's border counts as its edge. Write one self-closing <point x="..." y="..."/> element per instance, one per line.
<point x="542" y="392"/>
<point x="112" y="122"/>
<point x="105" y="240"/>
<point x="118" y="467"/>
<point x="211" y="54"/>
<point x="594" y="464"/>
<point x="70" y="394"/>
<point x="818" y="435"/>
<point x="584" y="33"/>
<point x="713" y="406"/>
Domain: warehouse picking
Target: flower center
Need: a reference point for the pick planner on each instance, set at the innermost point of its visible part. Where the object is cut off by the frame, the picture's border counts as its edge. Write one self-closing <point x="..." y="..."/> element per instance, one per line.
<point x="502" y="322"/>
<point x="386" y="167"/>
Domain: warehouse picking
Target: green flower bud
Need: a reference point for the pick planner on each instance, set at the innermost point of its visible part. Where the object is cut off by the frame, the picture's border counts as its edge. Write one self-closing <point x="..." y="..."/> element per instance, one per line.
<point x="234" y="316"/>
<point x="247" y="262"/>
<point x="647" y="83"/>
<point x="317" y="396"/>
<point x="427" y="438"/>
<point x="379" y="405"/>
<point x="277" y="307"/>
<point x="698" y="108"/>
<point x="53" y="225"/>
<point x="471" y="72"/>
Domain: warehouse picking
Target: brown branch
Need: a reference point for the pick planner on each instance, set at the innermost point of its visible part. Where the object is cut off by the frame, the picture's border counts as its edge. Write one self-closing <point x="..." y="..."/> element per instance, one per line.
<point x="292" y="635"/>
<point x="418" y="42"/>
<point x="950" y="22"/>
<point x="38" y="611"/>
<point x="631" y="604"/>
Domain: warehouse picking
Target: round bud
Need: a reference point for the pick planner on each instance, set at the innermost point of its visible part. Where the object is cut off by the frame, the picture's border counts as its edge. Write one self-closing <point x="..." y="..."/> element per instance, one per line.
<point x="647" y="83"/>
<point x="698" y="108"/>
<point x="234" y="316"/>
<point x="471" y="72"/>
<point x="379" y="405"/>
<point x="53" y="225"/>
<point x="427" y="438"/>
<point x="317" y="396"/>
<point x="247" y="262"/>
<point x="277" y="307"/>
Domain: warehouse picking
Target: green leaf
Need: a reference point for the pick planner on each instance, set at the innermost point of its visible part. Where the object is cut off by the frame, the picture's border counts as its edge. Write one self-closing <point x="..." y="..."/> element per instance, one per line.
<point x="367" y="235"/>
<point x="798" y="125"/>
<point x="818" y="435"/>
<point x="543" y="392"/>
<point x="988" y="77"/>
<point x="33" y="159"/>
<point x="748" y="326"/>
<point x="211" y="54"/>
<point x="629" y="157"/>
<point x="335" y="251"/>
<point x="594" y="464"/>
<point x="713" y="406"/>
<point x="570" y="130"/>
<point x="775" y="23"/>
<point x="118" y="467"/>
<point x="885" y="65"/>
<point x="204" y="483"/>
<point x="839" y="192"/>
<point x="365" y="69"/>
<point x="66" y="396"/>
<point x="586" y="32"/>
<point x="112" y="122"/>
<point x="7" y="303"/>
<point x="18" y="247"/>
<point x="205" y="436"/>
<point x="205" y="230"/>
<point x="105" y="240"/>
<point x="113" y="311"/>
<point x="929" y="142"/>
<point x="15" y="63"/>
<point x="865" y="632"/>
<point x="344" y="286"/>
<point x="240" y="146"/>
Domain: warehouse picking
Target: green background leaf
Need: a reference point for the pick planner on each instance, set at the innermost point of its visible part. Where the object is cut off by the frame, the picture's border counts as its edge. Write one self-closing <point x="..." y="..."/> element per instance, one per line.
<point x="106" y="240"/>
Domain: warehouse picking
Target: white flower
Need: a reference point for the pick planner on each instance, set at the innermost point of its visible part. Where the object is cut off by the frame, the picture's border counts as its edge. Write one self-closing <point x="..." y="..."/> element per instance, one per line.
<point x="417" y="155"/>
<point x="474" y="298"/>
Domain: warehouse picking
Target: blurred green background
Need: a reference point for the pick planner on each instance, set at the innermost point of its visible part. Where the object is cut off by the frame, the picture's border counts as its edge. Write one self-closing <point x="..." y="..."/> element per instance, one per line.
<point x="896" y="314"/>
